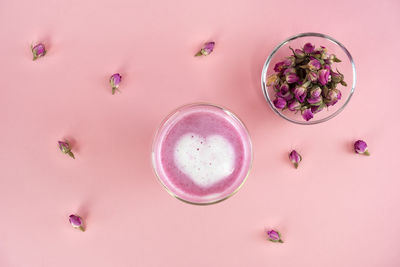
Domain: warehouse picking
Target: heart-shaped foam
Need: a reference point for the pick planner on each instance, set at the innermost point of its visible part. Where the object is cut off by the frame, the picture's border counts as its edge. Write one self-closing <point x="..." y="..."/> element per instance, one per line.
<point x="205" y="160"/>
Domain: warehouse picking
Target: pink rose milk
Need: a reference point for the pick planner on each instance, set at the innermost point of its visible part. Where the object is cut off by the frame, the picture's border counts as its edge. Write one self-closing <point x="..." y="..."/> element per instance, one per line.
<point x="202" y="154"/>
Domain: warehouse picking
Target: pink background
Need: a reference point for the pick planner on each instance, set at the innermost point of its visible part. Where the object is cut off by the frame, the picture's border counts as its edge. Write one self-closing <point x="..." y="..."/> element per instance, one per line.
<point x="337" y="209"/>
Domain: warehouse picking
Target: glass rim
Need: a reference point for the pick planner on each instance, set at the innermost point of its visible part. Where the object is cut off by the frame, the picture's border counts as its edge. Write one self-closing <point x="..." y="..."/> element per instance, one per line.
<point x="264" y="87"/>
<point x="168" y="117"/>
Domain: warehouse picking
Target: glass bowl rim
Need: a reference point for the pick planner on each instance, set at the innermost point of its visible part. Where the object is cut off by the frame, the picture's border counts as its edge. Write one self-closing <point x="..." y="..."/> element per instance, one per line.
<point x="264" y="87"/>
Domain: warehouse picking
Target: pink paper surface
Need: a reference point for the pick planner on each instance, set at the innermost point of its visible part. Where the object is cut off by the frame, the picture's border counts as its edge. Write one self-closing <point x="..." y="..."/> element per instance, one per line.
<point x="337" y="209"/>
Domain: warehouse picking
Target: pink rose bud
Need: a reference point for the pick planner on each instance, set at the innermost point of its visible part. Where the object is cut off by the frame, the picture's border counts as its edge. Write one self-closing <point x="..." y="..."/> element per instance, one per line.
<point x="280" y="66"/>
<point x="294" y="105"/>
<point x="307" y="114"/>
<point x="316" y="109"/>
<point x="323" y="76"/>
<point x="295" y="158"/>
<point x="360" y="147"/>
<point x="333" y="97"/>
<point x="314" y="64"/>
<point x="312" y="76"/>
<point x="290" y="61"/>
<point x="272" y="80"/>
<point x="274" y="236"/>
<point x="316" y="91"/>
<point x="280" y="103"/>
<point x="332" y="58"/>
<point x="336" y="77"/>
<point x="292" y="78"/>
<point x="206" y="50"/>
<point x="38" y="51"/>
<point x="115" y="80"/>
<point x="299" y="53"/>
<point x="76" y="222"/>
<point x="315" y="101"/>
<point x="308" y="48"/>
<point x="300" y="93"/>
<point x="65" y="148"/>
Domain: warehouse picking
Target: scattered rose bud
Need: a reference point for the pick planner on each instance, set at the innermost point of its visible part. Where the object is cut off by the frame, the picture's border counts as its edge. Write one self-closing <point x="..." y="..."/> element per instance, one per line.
<point x="65" y="148"/>
<point x="115" y="80"/>
<point x="76" y="222"/>
<point x="274" y="236"/>
<point x="295" y="158"/>
<point x="280" y="103"/>
<point x="360" y="147"/>
<point x="206" y="50"/>
<point x="308" y="48"/>
<point x="307" y="114"/>
<point x="38" y="51"/>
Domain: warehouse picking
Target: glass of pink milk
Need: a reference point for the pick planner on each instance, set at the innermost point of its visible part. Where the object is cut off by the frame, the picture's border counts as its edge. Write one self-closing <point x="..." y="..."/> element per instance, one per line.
<point x="202" y="154"/>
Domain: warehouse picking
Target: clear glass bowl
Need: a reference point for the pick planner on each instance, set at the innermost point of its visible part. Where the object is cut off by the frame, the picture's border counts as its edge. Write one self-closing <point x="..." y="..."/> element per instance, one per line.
<point x="346" y="67"/>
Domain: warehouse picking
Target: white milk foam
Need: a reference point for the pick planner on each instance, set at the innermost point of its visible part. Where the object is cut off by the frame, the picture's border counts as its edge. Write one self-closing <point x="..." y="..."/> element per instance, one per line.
<point x="205" y="160"/>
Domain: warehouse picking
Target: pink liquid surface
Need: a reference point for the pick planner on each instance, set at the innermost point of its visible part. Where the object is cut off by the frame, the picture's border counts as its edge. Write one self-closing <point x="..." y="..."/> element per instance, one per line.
<point x="203" y="122"/>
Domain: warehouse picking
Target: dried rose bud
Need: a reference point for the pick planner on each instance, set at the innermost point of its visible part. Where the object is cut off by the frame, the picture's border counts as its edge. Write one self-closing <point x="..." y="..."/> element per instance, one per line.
<point x="299" y="53"/>
<point x="300" y="93"/>
<point x="76" y="222"/>
<point x="360" y="147"/>
<point x="284" y="92"/>
<point x="274" y="236"/>
<point x="314" y="64"/>
<point x="294" y="105"/>
<point x="333" y="97"/>
<point x="315" y="101"/>
<point x="312" y="76"/>
<point x="290" y="61"/>
<point x="295" y="158"/>
<point x="316" y="109"/>
<point x="284" y="88"/>
<point x="308" y="48"/>
<point x="332" y="58"/>
<point x="65" y="148"/>
<point x="323" y="76"/>
<point x="279" y="67"/>
<point x="336" y="77"/>
<point x="315" y="92"/>
<point x="115" y="80"/>
<point x="206" y="50"/>
<point x="38" y="51"/>
<point x="272" y="80"/>
<point x="307" y="114"/>
<point x="280" y="103"/>
<point x="292" y="78"/>
<point x="324" y="52"/>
